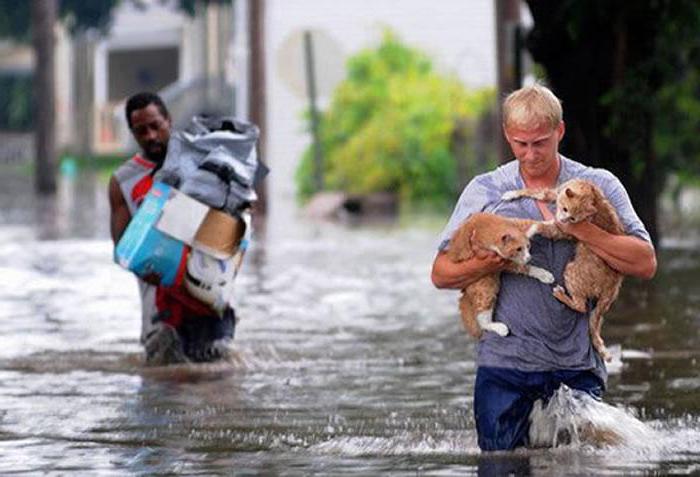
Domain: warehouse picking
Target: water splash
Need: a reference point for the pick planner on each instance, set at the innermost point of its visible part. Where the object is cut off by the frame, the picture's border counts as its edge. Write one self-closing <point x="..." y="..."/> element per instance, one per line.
<point x="574" y="418"/>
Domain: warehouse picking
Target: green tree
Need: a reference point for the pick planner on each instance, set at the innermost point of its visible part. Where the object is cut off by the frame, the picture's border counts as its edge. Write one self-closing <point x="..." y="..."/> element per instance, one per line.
<point x="390" y="126"/>
<point x="627" y="73"/>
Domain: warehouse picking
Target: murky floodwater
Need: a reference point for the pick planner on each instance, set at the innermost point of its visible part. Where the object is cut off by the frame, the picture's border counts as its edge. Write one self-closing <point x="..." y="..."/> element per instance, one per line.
<point x="347" y="362"/>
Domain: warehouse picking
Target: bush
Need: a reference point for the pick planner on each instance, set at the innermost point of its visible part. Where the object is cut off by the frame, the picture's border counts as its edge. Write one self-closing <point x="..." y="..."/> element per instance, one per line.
<point x="390" y="126"/>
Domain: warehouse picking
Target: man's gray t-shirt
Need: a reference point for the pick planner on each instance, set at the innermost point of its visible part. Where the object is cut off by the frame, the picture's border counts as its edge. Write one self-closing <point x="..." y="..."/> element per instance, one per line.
<point x="545" y="334"/>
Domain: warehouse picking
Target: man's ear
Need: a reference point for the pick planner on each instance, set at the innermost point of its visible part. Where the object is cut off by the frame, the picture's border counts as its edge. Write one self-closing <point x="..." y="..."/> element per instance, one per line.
<point x="505" y="133"/>
<point x="561" y="130"/>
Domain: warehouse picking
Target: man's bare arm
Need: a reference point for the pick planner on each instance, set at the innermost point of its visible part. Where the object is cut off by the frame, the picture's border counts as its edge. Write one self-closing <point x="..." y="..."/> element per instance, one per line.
<point x="458" y="275"/>
<point x="120" y="215"/>
<point x="627" y="254"/>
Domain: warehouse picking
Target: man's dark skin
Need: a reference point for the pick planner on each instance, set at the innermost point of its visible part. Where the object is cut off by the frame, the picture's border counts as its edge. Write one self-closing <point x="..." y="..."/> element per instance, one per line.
<point x="152" y="132"/>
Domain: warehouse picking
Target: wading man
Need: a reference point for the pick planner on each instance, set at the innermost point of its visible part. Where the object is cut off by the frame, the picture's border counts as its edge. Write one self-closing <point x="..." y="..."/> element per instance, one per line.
<point x="549" y="343"/>
<point x="176" y="328"/>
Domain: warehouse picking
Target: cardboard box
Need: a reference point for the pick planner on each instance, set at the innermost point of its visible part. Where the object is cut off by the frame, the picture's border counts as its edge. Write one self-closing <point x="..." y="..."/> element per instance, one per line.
<point x="219" y="234"/>
<point x="167" y="222"/>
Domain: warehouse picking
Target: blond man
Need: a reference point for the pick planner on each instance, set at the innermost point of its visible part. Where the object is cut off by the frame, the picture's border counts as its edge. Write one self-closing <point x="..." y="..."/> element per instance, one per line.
<point x="548" y="344"/>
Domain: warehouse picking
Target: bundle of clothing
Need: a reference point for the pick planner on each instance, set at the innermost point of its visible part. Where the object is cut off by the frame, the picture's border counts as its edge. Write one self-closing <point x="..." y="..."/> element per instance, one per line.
<point x="215" y="161"/>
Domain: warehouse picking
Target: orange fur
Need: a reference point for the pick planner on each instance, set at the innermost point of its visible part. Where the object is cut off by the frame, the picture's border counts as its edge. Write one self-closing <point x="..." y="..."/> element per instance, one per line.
<point x="510" y="237"/>
<point x="587" y="275"/>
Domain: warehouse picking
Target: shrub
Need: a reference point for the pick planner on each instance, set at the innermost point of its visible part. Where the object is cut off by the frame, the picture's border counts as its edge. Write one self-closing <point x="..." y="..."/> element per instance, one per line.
<point x="390" y="125"/>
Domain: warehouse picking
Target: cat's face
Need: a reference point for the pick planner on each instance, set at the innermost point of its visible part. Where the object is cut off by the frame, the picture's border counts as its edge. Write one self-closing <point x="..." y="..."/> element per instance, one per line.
<point x="575" y="203"/>
<point x="514" y="246"/>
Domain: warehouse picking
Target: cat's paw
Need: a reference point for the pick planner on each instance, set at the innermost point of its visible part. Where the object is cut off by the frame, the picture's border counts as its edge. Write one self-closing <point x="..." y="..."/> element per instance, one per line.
<point x="541" y="274"/>
<point x="510" y="195"/>
<point x="499" y="328"/>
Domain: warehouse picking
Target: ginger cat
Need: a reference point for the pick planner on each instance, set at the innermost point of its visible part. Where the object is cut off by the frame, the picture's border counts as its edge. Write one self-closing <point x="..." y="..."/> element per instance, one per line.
<point x="587" y="275"/>
<point x="509" y="238"/>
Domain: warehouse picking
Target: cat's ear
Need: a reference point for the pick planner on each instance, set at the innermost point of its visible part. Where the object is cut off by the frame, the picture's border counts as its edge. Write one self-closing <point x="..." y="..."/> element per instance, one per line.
<point x="569" y="193"/>
<point x="469" y="241"/>
<point x="506" y="237"/>
<point x="472" y="239"/>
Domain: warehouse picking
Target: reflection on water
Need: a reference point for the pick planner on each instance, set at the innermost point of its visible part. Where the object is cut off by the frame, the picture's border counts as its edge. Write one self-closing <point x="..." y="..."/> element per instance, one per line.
<point x="347" y="360"/>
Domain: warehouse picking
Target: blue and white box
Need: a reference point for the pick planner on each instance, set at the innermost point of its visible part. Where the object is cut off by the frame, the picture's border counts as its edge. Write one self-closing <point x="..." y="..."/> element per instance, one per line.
<point x="156" y="239"/>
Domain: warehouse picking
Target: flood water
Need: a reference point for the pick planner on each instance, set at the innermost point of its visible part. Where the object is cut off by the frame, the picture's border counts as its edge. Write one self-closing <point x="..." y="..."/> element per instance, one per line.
<point x="347" y="360"/>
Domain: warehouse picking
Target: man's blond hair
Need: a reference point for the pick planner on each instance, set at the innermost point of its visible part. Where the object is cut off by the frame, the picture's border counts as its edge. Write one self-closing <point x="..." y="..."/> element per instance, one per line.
<point x="532" y="107"/>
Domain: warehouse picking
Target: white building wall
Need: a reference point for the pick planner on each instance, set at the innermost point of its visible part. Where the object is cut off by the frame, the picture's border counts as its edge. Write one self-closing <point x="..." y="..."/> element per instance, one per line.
<point x="459" y="35"/>
<point x="65" y="118"/>
<point x="158" y="25"/>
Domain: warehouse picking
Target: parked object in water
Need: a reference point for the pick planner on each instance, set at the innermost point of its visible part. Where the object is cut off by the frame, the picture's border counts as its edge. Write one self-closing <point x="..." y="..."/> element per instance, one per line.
<point x="339" y="205"/>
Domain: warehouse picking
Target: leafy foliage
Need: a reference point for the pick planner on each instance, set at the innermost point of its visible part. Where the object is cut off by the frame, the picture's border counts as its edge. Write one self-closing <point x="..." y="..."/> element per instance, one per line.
<point x="390" y="125"/>
<point x="627" y="73"/>
<point x="676" y="138"/>
<point x="81" y="15"/>
<point x="670" y="76"/>
<point x="15" y="17"/>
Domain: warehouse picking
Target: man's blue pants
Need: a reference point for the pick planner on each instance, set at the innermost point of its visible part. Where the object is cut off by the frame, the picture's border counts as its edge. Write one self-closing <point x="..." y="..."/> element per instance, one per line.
<point x="503" y="399"/>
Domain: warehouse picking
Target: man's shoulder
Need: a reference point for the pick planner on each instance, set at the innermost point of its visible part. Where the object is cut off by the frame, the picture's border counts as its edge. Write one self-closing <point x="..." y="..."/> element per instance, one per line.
<point x="133" y="165"/>
<point x="504" y="176"/>
<point x="599" y="176"/>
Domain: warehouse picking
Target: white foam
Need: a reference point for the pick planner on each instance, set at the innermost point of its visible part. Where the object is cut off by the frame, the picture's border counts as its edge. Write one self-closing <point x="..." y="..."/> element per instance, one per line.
<point x="574" y="418"/>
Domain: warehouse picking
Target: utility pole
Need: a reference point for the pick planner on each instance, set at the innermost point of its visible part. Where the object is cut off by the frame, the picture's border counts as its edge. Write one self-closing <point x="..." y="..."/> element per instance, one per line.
<point x="509" y="72"/>
<point x="311" y="90"/>
<point x="43" y="17"/>
<point x="256" y="85"/>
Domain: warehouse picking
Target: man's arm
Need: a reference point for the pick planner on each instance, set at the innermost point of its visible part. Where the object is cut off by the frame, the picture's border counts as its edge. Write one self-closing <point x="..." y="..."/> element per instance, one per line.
<point x="119" y="211"/>
<point x="627" y="254"/>
<point x="457" y="275"/>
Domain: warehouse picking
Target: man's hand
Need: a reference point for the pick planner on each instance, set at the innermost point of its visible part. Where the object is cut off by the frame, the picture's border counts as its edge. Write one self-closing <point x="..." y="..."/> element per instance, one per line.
<point x="152" y="278"/>
<point x="627" y="254"/>
<point x="578" y="230"/>
<point x="489" y="261"/>
<point x="458" y="275"/>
